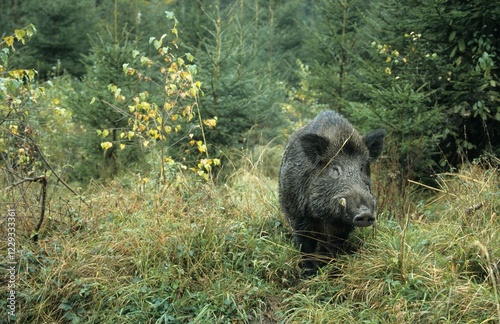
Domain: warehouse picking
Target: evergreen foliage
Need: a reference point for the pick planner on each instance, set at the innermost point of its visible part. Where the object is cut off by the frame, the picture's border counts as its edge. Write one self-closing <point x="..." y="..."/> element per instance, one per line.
<point x="242" y="74"/>
<point x="466" y="79"/>
<point x="336" y="44"/>
<point x="411" y="68"/>
<point x="62" y="38"/>
<point x="94" y="108"/>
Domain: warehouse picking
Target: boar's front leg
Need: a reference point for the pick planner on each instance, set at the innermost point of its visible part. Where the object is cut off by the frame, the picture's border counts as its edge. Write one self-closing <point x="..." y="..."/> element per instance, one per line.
<point x="306" y="241"/>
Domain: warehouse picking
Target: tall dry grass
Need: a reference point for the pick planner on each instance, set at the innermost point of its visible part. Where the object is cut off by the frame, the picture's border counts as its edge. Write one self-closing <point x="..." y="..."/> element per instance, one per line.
<point x="202" y="253"/>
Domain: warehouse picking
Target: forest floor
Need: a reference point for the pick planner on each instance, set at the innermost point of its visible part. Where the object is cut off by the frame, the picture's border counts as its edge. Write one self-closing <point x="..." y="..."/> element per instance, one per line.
<point x="136" y="252"/>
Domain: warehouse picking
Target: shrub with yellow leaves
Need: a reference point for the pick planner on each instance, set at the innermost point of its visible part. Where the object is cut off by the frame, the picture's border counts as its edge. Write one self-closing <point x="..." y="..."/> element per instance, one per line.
<point x="156" y="121"/>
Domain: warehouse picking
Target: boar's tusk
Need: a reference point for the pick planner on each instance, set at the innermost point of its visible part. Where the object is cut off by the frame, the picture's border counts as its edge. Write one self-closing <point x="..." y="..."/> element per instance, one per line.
<point x="343" y="202"/>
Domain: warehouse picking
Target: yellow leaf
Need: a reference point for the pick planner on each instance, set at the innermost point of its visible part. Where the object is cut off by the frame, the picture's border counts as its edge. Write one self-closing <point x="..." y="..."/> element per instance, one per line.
<point x="153" y="133"/>
<point x="117" y="92"/>
<point x="13" y="129"/>
<point x="105" y="133"/>
<point x="122" y="146"/>
<point x="202" y="148"/>
<point x="9" y="40"/>
<point x="20" y="34"/>
<point x="145" y="143"/>
<point x="168" y="106"/>
<point x="187" y="110"/>
<point x="211" y="123"/>
<point x="216" y="161"/>
<point x="18" y="74"/>
<point x="106" y="145"/>
<point x="203" y="175"/>
<point x="30" y="74"/>
<point x="144" y="60"/>
<point x="388" y="70"/>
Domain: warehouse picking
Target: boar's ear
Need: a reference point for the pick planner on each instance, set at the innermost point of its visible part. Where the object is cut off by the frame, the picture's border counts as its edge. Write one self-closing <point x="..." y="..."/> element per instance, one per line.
<point x="374" y="141"/>
<point x="314" y="146"/>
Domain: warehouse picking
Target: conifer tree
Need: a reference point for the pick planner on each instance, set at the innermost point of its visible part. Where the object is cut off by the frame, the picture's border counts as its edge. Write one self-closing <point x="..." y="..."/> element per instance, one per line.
<point x="62" y="39"/>
<point x="460" y="70"/>
<point x="94" y="108"/>
<point x="239" y="70"/>
<point x="334" y="46"/>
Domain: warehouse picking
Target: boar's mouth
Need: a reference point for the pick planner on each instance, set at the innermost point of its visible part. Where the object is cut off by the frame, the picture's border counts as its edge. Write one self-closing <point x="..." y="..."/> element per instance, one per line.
<point x="363" y="215"/>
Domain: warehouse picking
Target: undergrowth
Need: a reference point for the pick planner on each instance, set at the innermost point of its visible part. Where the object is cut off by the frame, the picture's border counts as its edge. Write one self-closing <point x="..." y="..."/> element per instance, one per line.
<point x="200" y="253"/>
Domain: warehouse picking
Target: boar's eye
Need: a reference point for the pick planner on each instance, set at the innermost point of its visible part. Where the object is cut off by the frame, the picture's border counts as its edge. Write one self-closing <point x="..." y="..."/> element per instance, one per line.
<point x="334" y="171"/>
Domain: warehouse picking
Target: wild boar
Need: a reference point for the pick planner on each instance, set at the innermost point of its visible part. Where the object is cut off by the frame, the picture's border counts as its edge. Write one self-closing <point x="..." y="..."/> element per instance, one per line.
<point x="324" y="184"/>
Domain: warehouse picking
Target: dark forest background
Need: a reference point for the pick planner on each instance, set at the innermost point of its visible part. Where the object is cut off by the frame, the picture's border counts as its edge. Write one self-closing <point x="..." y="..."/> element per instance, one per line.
<point x="426" y="71"/>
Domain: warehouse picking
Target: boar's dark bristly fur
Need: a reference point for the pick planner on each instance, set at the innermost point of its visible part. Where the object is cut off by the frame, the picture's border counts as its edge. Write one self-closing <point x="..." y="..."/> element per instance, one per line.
<point x="324" y="184"/>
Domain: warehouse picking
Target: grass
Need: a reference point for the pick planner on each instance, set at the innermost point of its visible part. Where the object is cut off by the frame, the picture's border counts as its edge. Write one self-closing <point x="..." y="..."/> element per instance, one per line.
<point x="200" y="253"/>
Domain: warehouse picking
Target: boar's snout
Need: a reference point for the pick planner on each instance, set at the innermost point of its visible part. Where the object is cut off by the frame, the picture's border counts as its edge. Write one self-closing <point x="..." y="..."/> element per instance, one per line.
<point x="364" y="217"/>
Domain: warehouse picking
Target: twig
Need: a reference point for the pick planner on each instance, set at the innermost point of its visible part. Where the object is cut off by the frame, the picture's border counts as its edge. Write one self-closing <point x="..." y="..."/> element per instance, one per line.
<point x="43" y="181"/>
<point x="52" y="170"/>
<point x="469" y="210"/>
